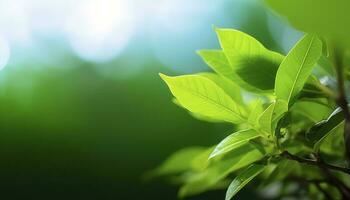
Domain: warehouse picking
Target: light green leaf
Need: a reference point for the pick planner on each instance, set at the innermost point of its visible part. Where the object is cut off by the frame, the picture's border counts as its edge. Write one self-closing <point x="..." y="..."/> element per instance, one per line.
<point x="265" y="120"/>
<point x="207" y="179"/>
<point x="234" y="141"/>
<point x="256" y="109"/>
<point x="202" y="96"/>
<point x="249" y="59"/>
<point x="243" y="179"/>
<point x="201" y="161"/>
<point x="227" y="85"/>
<point x="178" y="162"/>
<point x="269" y="118"/>
<point x="309" y="16"/>
<point x="216" y="59"/>
<point x="196" y="115"/>
<point x="296" y="68"/>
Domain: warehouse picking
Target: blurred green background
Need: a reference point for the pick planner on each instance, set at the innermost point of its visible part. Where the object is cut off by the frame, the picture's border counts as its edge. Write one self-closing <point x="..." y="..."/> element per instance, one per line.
<point x="84" y="113"/>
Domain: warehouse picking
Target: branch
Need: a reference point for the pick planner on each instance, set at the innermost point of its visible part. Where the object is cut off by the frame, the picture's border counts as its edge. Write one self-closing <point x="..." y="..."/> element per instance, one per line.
<point x="341" y="99"/>
<point x="343" y="189"/>
<point x="290" y="156"/>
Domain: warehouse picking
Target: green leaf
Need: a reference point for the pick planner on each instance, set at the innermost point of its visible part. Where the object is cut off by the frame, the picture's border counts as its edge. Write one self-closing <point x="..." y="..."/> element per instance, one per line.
<point x="227" y="85"/>
<point x="216" y="59"/>
<point x="201" y="161"/>
<point x="269" y="118"/>
<point x="256" y="110"/>
<point x="296" y="68"/>
<point x="311" y="89"/>
<point x="234" y="141"/>
<point x="330" y="19"/>
<point x="178" y="162"/>
<point x="312" y="110"/>
<point x="202" y="96"/>
<point x="324" y="128"/>
<point x="243" y="179"/>
<point x="265" y="120"/>
<point x="196" y="115"/>
<point x="207" y="179"/>
<point x="250" y="61"/>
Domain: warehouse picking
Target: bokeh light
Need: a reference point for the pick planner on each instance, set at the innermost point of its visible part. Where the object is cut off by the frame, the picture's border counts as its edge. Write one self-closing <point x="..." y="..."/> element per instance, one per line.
<point x="99" y="30"/>
<point x="4" y="52"/>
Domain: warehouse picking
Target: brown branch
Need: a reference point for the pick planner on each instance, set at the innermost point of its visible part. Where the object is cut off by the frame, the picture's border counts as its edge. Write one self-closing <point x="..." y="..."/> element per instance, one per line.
<point x="343" y="189"/>
<point x="290" y="156"/>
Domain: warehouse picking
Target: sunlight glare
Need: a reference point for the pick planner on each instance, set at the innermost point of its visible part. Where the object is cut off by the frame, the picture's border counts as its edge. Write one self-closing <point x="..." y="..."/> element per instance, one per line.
<point x="99" y="30"/>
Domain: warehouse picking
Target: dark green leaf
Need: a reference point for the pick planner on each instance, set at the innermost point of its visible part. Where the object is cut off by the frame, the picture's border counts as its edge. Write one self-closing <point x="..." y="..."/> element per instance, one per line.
<point x="322" y="129"/>
<point x="312" y="110"/>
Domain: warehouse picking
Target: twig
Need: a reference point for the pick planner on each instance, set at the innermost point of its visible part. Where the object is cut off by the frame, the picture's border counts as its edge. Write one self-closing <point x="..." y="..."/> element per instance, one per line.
<point x="343" y="189"/>
<point x="290" y="156"/>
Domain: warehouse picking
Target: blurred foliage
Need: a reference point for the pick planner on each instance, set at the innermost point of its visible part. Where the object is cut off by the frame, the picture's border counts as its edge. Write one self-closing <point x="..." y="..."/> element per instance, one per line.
<point x="74" y="129"/>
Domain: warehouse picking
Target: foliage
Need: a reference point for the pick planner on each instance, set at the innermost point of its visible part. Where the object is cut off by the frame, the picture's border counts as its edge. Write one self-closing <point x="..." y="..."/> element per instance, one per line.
<point x="291" y="132"/>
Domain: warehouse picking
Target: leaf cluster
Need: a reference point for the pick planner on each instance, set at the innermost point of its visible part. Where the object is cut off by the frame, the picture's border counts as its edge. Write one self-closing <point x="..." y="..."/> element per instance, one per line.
<point x="289" y="121"/>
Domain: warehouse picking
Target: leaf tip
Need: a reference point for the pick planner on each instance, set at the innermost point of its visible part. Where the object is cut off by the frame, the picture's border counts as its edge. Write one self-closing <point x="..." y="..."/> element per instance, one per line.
<point x="163" y="76"/>
<point x="199" y="52"/>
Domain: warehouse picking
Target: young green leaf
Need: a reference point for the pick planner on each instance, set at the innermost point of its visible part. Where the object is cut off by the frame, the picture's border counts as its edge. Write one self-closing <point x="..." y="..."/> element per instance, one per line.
<point x="207" y="179"/>
<point x="216" y="59"/>
<point x="202" y="96"/>
<point x="256" y="110"/>
<point x="324" y="128"/>
<point x="249" y="59"/>
<point x="243" y="179"/>
<point x="201" y="161"/>
<point x="227" y="85"/>
<point x="269" y="118"/>
<point x="178" y="162"/>
<point x="296" y="68"/>
<point x="196" y="115"/>
<point x="234" y="141"/>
